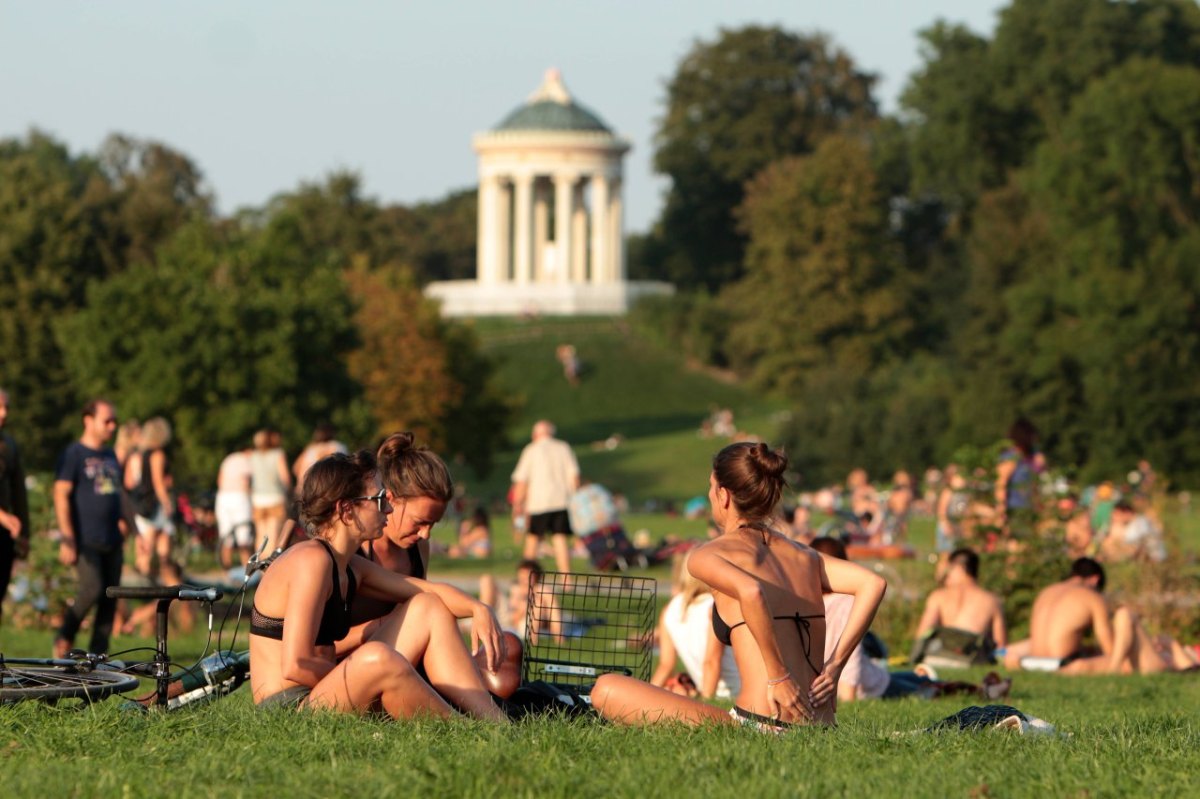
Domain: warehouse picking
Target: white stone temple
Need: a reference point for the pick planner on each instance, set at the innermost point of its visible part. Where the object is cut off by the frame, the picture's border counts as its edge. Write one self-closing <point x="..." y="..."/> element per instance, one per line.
<point x="551" y="232"/>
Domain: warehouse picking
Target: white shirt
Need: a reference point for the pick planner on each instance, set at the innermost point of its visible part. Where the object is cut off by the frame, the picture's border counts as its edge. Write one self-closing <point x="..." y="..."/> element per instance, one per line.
<point x="689" y="632"/>
<point x="549" y="471"/>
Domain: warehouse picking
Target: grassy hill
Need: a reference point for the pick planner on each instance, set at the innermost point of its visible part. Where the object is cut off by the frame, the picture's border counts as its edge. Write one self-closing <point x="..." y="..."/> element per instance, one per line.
<point x="631" y="390"/>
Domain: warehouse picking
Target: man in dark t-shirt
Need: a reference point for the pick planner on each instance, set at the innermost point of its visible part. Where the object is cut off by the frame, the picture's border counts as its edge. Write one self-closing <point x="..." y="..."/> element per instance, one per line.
<point x="88" y="504"/>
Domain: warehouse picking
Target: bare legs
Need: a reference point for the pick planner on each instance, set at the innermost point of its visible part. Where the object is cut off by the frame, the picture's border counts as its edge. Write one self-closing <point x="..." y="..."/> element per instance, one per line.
<point x="1133" y="651"/>
<point x="424" y="631"/>
<point x="625" y="700"/>
<point x="376" y="675"/>
<point x="561" y="543"/>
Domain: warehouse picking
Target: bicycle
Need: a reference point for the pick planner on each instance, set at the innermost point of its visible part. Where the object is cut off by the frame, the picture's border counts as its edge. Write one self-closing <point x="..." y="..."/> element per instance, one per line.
<point x="94" y="677"/>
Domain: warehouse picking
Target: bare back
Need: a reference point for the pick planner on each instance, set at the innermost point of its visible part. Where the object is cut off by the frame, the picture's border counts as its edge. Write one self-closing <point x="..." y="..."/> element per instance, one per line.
<point x="967" y="607"/>
<point x="1062" y="614"/>
<point x="790" y="575"/>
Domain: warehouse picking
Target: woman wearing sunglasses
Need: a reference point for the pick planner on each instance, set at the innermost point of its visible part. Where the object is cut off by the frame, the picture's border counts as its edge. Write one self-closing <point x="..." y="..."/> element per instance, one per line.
<point x="419" y="487"/>
<point x="302" y="608"/>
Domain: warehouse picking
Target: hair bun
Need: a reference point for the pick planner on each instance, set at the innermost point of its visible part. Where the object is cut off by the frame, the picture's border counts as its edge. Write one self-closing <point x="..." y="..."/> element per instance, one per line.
<point x="396" y="445"/>
<point x="771" y="463"/>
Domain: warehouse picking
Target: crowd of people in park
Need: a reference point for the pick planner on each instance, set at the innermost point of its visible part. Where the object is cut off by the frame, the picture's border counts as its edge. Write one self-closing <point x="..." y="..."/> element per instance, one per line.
<point x="770" y="613"/>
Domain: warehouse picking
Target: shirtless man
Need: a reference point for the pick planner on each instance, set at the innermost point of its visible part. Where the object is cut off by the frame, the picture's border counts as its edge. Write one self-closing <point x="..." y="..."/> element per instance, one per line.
<point x="960" y="602"/>
<point x="1065" y="611"/>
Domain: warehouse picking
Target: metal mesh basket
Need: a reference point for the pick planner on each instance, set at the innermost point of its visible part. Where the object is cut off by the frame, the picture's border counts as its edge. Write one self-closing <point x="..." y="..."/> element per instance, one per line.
<point x="579" y="626"/>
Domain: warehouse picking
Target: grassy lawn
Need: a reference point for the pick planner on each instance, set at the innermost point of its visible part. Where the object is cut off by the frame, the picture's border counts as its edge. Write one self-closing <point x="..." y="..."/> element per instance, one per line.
<point x="1131" y="736"/>
<point x="631" y="389"/>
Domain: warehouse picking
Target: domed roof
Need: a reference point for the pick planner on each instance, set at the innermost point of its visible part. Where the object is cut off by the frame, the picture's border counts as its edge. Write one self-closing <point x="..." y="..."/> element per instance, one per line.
<point x="552" y="108"/>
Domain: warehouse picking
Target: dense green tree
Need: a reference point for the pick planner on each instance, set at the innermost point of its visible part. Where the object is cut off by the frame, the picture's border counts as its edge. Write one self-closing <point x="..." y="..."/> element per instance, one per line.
<point x="980" y="108"/>
<point x="734" y="105"/>
<point x="54" y="240"/>
<point x="822" y="288"/>
<point x="158" y="189"/>
<point x="1113" y="323"/>
<point x="222" y="337"/>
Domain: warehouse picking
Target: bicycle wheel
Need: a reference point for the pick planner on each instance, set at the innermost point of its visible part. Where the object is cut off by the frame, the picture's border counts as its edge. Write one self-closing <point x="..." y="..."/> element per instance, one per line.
<point x="19" y="683"/>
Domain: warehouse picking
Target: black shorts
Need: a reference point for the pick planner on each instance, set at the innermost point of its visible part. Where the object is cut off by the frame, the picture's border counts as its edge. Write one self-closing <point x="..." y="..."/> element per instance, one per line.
<point x="555" y="521"/>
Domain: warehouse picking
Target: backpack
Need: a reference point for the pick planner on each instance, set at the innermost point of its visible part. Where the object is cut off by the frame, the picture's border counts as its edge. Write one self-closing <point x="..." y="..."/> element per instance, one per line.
<point x="543" y="698"/>
<point x="953" y="648"/>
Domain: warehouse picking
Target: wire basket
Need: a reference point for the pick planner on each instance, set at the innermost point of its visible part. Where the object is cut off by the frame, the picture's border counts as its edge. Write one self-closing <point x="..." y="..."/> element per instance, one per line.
<point x="579" y="626"/>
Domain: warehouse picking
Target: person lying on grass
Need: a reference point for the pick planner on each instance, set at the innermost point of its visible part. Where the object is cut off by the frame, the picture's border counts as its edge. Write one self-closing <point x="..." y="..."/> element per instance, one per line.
<point x="302" y="608"/>
<point x="418" y="487"/>
<point x="766" y="605"/>
<point x="1064" y="612"/>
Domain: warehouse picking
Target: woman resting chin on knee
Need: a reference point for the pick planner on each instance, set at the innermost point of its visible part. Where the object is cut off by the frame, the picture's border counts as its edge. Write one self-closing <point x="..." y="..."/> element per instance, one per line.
<point x="766" y="605"/>
<point x="419" y="487"/>
<point x="302" y="608"/>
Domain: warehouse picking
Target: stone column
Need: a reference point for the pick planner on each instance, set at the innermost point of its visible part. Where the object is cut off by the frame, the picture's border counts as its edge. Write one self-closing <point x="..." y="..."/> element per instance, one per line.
<point x="600" y="231"/>
<point x="579" y="236"/>
<point x="541" y="229"/>
<point x="488" y="247"/>
<point x="523" y="229"/>
<point x="564" y="207"/>
<point x="504" y="239"/>
<point x="617" y="207"/>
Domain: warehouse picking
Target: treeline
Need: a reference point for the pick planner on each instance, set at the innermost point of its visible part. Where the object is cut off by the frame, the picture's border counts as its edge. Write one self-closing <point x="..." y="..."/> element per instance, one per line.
<point x="118" y="278"/>
<point x="1022" y="239"/>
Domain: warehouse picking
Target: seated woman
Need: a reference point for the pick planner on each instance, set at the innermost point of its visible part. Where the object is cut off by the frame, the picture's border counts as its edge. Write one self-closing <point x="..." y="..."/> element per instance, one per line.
<point x="418" y="486"/>
<point x="302" y="607"/>
<point x="474" y="536"/>
<point x="766" y="604"/>
<point x="685" y="633"/>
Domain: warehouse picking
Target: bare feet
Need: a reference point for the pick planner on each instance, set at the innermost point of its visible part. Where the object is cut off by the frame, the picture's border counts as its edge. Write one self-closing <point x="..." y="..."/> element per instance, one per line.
<point x="61" y="647"/>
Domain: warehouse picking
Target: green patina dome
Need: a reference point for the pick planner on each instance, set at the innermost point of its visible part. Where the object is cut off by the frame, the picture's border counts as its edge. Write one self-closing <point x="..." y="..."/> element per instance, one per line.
<point x="551" y="115"/>
<point x="552" y="108"/>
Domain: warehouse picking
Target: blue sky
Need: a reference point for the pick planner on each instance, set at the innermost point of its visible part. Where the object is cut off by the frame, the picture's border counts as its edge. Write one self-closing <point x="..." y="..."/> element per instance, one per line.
<point x="266" y="94"/>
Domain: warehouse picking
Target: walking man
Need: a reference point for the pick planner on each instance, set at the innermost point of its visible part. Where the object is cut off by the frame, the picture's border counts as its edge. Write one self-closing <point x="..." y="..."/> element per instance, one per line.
<point x="546" y="476"/>
<point x="88" y="501"/>
<point x="14" y="504"/>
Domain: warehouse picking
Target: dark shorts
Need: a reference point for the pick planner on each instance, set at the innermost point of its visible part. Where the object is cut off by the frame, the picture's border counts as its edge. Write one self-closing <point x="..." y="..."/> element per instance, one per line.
<point x="288" y="698"/>
<point x="555" y="521"/>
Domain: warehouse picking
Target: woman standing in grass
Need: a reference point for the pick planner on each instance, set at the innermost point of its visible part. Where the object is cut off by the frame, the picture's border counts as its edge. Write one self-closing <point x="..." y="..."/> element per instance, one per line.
<point x="302" y="608"/>
<point x="766" y="604"/>
<point x="418" y="487"/>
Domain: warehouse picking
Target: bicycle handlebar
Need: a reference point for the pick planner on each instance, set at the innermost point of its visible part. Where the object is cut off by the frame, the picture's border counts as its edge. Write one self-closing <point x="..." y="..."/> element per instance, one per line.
<point x="164" y="592"/>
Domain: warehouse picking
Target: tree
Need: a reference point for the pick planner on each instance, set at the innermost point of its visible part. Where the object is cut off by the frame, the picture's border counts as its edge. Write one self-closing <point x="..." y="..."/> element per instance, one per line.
<point x="158" y="189"/>
<point x="223" y="336"/>
<point x="54" y="240"/>
<point x="822" y="288"/>
<point x="753" y="96"/>
<point x="980" y="108"/>
<point x="422" y="373"/>
<point x="1113" y="323"/>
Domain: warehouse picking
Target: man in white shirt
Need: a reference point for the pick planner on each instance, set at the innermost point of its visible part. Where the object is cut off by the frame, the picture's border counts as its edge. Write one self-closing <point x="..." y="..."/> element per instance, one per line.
<point x="546" y="476"/>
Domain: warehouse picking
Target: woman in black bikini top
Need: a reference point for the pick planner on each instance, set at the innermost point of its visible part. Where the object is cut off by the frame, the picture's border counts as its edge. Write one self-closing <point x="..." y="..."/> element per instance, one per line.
<point x="302" y="607"/>
<point x="774" y="586"/>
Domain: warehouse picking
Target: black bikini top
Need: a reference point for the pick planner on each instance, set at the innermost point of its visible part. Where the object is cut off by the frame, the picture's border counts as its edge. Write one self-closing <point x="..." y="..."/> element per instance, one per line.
<point x="335" y="617"/>
<point x="723" y="631"/>
<point x="416" y="566"/>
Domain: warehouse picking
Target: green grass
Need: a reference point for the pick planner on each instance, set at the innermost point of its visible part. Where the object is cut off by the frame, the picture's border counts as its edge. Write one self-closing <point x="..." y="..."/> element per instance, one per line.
<point x="1128" y="736"/>
<point x="630" y="388"/>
